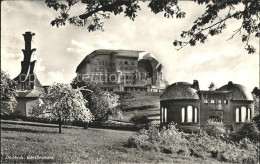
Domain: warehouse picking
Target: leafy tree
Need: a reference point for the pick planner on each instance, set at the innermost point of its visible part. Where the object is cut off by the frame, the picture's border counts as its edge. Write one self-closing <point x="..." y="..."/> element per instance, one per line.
<point x="8" y="92"/>
<point x="102" y="104"/>
<point x="209" y="24"/>
<point x="212" y="86"/>
<point x="63" y="103"/>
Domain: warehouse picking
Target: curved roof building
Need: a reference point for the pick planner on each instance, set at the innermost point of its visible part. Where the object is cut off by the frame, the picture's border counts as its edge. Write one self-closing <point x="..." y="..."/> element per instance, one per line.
<point x="191" y="108"/>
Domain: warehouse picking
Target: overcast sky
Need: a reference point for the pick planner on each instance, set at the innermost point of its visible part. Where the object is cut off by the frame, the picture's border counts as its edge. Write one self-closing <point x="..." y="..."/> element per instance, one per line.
<point x="60" y="50"/>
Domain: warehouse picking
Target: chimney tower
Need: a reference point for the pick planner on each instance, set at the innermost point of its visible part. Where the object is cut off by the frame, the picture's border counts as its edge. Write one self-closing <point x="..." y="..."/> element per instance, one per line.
<point x="26" y="79"/>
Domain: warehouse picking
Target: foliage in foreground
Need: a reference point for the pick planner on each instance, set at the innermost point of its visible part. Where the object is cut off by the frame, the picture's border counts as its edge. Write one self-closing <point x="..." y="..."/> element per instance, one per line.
<point x="8" y="92"/>
<point x="199" y="145"/>
<point x="102" y="104"/>
<point x="63" y="103"/>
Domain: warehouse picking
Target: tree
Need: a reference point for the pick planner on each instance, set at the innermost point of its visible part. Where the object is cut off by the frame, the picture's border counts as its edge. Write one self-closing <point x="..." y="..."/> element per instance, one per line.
<point x="63" y="103"/>
<point x="209" y="24"/>
<point x="8" y="92"/>
<point x="102" y="104"/>
<point x="212" y="86"/>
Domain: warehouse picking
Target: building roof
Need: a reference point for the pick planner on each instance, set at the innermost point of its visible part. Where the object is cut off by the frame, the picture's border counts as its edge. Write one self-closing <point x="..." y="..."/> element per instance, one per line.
<point x="36" y="92"/>
<point x="238" y="92"/>
<point x="180" y="90"/>
<point x="122" y="53"/>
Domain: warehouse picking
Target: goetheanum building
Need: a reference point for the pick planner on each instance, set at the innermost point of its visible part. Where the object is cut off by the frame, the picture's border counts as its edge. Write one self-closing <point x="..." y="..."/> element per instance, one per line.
<point x="122" y="70"/>
<point x="190" y="107"/>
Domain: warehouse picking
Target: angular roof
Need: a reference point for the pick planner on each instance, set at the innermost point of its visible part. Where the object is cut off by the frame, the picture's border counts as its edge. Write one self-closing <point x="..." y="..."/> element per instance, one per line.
<point x="36" y="92"/>
<point x="180" y="90"/>
<point x="238" y="91"/>
<point x="122" y="53"/>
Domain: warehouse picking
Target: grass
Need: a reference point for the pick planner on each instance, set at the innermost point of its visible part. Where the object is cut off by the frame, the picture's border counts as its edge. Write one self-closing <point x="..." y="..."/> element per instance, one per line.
<point x="143" y="103"/>
<point x="77" y="146"/>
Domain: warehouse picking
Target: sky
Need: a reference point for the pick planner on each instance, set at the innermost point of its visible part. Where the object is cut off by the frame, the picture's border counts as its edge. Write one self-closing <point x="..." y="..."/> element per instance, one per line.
<point x="60" y="50"/>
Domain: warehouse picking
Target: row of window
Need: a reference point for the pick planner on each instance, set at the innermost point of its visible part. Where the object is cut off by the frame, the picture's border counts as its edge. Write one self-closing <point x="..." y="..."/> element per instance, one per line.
<point x="243" y="114"/>
<point x="212" y="101"/>
<point x="189" y="114"/>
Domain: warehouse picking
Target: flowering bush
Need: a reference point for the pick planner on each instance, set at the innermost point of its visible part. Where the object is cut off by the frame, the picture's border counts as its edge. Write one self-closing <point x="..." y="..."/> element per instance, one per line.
<point x="199" y="145"/>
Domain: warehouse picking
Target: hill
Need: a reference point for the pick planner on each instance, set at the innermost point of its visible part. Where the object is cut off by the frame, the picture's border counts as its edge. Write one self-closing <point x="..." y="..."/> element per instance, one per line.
<point x="140" y="103"/>
<point x="30" y="144"/>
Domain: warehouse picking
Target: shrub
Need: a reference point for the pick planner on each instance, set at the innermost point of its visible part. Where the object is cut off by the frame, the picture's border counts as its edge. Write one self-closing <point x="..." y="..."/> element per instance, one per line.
<point x="167" y="140"/>
<point x="140" y="119"/>
<point x="247" y="130"/>
<point x="214" y="128"/>
<point x="202" y="145"/>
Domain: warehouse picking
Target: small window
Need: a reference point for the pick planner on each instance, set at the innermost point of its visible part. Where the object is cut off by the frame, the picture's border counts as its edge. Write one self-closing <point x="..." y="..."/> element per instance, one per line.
<point x="225" y="101"/>
<point x="133" y="63"/>
<point x="212" y="101"/>
<point x="205" y="101"/>
<point x="126" y="62"/>
<point x="219" y="102"/>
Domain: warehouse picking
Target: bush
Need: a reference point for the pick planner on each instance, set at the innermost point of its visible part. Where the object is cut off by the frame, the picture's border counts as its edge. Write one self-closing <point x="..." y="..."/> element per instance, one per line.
<point x="167" y="140"/>
<point x="214" y="128"/>
<point x="170" y="140"/>
<point x="247" y="130"/>
<point x="140" y="119"/>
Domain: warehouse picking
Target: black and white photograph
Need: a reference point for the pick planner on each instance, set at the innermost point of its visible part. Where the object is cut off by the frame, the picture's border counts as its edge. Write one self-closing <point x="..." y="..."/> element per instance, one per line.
<point x="130" y="81"/>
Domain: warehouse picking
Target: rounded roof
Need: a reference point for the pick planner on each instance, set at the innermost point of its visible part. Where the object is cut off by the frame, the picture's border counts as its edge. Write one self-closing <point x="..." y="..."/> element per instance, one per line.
<point x="180" y="90"/>
<point x="238" y="92"/>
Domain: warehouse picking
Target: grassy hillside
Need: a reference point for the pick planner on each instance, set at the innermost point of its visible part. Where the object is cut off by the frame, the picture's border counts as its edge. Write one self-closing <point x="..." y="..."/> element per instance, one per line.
<point x="140" y="103"/>
<point x="28" y="144"/>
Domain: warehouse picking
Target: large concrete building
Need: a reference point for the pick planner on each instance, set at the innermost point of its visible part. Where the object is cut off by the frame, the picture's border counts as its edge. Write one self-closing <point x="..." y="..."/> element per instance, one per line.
<point x="122" y="70"/>
<point x="191" y="108"/>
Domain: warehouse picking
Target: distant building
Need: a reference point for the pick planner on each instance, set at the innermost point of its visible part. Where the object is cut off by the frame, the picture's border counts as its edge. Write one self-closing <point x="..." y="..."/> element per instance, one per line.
<point x="28" y="86"/>
<point x="122" y="70"/>
<point x="190" y="107"/>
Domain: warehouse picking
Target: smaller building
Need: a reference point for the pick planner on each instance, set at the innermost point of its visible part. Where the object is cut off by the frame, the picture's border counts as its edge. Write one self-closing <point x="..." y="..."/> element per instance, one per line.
<point x="191" y="108"/>
<point x="28" y="86"/>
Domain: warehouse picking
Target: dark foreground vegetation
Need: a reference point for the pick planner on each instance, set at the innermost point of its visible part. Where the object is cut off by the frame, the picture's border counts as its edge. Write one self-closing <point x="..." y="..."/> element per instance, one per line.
<point x="214" y="142"/>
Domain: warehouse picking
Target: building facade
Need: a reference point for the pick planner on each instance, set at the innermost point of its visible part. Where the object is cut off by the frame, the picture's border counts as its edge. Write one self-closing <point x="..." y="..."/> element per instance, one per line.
<point x="122" y="70"/>
<point x="191" y="108"/>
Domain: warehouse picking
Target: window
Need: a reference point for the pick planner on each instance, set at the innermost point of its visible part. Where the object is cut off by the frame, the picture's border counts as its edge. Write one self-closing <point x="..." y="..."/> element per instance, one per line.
<point x="205" y="101"/>
<point x="212" y="101"/>
<point x="133" y="63"/>
<point x="243" y="114"/>
<point x="126" y="62"/>
<point x="225" y="102"/>
<point x="195" y="115"/>
<point x="164" y="115"/>
<point x="189" y="114"/>
<point x="219" y="102"/>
